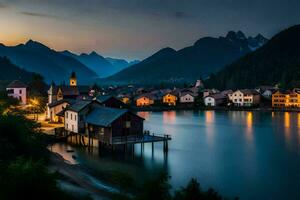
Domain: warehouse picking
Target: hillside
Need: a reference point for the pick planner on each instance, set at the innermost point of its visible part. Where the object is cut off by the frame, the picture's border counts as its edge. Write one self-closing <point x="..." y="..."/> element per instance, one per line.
<point x="10" y="72"/>
<point x="276" y="62"/>
<point x="206" y="56"/>
<point x="36" y="57"/>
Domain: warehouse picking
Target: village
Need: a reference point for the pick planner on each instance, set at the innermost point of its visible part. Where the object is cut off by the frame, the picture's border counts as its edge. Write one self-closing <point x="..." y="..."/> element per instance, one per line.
<point x="109" y="116"/>
<point x="63" y="99"/>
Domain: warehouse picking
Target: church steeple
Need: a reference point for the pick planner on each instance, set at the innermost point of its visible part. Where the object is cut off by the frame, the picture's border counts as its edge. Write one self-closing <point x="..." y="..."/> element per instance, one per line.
<point x="73" y="79"/>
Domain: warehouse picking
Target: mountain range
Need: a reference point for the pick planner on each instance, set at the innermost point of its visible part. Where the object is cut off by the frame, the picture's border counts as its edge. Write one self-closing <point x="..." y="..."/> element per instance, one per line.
<point x="102" y="66"/>
<point x="277" y="62"/>
<point x="207" y="55"/>
<point x="54" y="66"/>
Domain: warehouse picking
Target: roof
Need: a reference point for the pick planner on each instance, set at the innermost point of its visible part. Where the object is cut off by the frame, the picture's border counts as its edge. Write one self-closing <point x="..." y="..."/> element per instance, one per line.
<point x="103" y="98"/>
<point x="148" y="95"/>
<point x="56" y="103"/>
<point x="104" y="116"/>
<point x="78" y="106"/>
<point x="17" y="84"/>
<point x="249" y="92"/>
<point x="71" y="90"/>
<point x="181" y="94"/>
<point x="217" y="96"/>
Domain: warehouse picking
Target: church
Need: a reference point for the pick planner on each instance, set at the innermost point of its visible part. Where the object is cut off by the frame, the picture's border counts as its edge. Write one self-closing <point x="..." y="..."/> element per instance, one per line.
<point x="59" y="97"/>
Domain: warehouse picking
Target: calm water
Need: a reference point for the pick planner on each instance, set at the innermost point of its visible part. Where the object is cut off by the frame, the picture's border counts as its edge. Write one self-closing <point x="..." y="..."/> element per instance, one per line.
<point x="253" y="155"/>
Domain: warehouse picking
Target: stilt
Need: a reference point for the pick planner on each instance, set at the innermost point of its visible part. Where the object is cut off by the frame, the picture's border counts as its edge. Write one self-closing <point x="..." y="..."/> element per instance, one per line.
<point x="152" y="149"/>
<point x="132" y="150"/>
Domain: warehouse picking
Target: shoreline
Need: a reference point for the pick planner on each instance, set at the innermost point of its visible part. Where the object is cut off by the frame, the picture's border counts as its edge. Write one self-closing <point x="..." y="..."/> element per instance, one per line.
<point x="258" y="109"/>
<point x="74" y="177"/>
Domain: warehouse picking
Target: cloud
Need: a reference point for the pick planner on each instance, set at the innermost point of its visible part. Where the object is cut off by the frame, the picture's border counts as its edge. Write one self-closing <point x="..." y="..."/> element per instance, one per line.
<point x="42" y="15"/>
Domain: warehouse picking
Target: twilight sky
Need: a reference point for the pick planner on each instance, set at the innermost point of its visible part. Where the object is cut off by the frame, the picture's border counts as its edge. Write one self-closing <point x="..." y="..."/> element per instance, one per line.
<point x="134" y="29"/>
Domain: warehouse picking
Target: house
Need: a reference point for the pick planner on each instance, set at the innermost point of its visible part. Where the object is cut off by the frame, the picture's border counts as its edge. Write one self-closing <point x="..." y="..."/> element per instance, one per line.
<point x="59" y="96"/>
<point x="217" y="99"/>
<point x="18" y="90"/>
<point x="125" y="98"/>
<point x="186" y="97"/>
<point x="55" y="108"/>
<point x="74" y="115"/>
<point x="110" y="101"/>
<point x="207" y="92"/>
<point x="170" y="99"/>
<point x="286" y="99"/>
<point x="104" y="123"/>
<point x="72" y="91"/>
<point x="266" y="91"/>
<point x="110" y="123"/>
<point x="146" y="99"/>
<point x="246" y="97"/>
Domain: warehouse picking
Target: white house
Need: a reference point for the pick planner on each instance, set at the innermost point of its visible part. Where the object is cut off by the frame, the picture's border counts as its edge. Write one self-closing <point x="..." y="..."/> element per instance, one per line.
<point x="18" y="90"/>
<point x="186" y="97"/>
<point x="245" y="97"/>
<point x="215" y="100"/>
<point x="53" y="109"/>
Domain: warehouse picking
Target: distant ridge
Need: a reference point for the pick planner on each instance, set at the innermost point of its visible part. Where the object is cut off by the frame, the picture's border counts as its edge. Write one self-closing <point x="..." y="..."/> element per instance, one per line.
<point x="102" y="66"/>
<point x="206" y="56"/>
<point x="277" y="62"/>
<point x="37" y="57"/>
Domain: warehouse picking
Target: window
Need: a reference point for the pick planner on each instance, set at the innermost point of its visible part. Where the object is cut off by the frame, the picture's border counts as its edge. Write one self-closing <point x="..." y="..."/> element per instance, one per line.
<point x="71" y="116"/>
<point x="66" y="125"/>
<point x="66" y="115"/>
<point x="127" y="124"/>
<point x="20" y="91"/>
<point x="75" y="117"/>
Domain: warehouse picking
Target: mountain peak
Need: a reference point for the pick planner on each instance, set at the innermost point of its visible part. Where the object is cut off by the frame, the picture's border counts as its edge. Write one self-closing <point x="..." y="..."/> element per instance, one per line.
<point x="34" y="44"/>
<point x="94" y="53"/>
<point x="232" y="35"/>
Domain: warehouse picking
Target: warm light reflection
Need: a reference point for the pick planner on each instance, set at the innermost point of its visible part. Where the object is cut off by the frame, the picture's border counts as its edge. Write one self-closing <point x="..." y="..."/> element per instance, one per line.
<point x="298" y="121"/>
<point x="145" y="115"/>
<point x="209" y="116"/>
<point x="210" y="132"/>
<point x="273" y="114"/>
<point x="287" y="127"/>
<point x="249" y="123"/>
<point x="169" y="116"/>
<point x="287" y="120"/>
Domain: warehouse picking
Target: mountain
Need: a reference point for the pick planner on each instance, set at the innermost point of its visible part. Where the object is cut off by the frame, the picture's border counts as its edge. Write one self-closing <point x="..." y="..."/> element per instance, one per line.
<point x="278" y="61"/>
<point x="206" y="56"/>
<point x="95" y="62"/>
<point x="104" y="67"/>
<point x="36" y="57"/>
<point x="10" y="72"/>
<point x="121" y="63"/>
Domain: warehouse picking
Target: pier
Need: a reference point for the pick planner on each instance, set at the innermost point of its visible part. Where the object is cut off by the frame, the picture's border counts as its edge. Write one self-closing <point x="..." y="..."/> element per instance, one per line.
<point x="124" y="141"/>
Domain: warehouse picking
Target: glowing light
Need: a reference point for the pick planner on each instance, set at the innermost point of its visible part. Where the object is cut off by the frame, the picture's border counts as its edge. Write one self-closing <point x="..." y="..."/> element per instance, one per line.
<point x="287" y="120"/>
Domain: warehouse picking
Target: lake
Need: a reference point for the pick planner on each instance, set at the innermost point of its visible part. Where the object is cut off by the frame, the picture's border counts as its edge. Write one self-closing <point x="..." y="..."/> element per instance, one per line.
<point x="252" y="155"/>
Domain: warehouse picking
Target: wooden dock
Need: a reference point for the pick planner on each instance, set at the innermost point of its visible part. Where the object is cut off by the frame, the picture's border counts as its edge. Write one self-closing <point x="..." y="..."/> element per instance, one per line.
<point x="131" y="140"/>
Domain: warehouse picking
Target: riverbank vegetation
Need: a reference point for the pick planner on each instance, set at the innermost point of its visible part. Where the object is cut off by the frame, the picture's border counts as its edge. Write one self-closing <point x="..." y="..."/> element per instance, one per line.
<point x="159" y="189"/>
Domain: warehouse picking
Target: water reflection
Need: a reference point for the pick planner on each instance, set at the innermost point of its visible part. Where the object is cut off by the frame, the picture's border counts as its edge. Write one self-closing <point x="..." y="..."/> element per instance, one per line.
<point x="211" y="146"/>
<point x="209" y="124"/>
<point x="287" y="128"/>
<point x="145" y="115"/>
<point x="169" y="117"/>
<point x="249" y="124"/>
